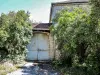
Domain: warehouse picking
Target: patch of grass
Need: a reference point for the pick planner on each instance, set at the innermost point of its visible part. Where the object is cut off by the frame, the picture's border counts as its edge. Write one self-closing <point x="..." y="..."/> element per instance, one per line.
<point x="4" y="69"/>
<point x="8" y="67"/>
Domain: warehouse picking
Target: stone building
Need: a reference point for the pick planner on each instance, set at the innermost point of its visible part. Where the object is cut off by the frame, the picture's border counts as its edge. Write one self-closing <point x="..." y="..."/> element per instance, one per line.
<point x="42" y="46"/>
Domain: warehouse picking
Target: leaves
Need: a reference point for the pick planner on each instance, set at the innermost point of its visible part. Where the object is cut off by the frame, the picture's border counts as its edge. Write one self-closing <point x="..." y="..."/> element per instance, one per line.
<point x="78" y="36"/>
<point x="15" y="32"/>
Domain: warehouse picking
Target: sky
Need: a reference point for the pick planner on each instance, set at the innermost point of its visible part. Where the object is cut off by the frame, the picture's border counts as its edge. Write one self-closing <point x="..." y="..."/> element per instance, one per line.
<point x="39" y="9"/>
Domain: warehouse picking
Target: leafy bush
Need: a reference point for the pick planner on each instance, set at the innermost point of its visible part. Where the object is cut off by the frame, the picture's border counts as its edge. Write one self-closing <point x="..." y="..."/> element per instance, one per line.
<point x="15" y="33"/>
<point x="77" y="35"/>
<point x="71" y="32"/>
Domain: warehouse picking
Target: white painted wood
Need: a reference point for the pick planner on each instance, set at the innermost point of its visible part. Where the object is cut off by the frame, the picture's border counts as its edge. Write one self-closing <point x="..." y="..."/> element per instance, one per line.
<point x="43" y="47"/>
<point x="43" y="55"/>
<point x="32" y="49"/>
<point x="43" y="43"/>
<point x="32" y="55"/>
<point x="38" y="49"/>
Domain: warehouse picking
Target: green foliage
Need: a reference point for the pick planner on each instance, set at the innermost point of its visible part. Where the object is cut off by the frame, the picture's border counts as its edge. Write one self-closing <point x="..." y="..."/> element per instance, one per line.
<point x="77" y="34"/>
<point x="71" y="31"/>
<point x="15" y="33"/>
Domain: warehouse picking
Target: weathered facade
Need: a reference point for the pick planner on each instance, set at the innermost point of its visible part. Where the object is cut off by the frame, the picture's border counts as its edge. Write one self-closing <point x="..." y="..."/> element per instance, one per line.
<point x="58" y="6"/>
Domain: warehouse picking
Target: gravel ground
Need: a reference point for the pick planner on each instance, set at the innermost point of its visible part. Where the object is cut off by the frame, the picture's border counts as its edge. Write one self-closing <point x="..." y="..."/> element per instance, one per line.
<point x="35" y="69"/>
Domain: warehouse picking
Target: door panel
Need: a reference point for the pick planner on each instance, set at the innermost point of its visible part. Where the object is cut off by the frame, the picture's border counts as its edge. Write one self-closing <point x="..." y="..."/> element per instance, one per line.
<point x="32" y="55"/>
<point x="33" y="44"/>
<point x="43" y="47"/>
<point x="43" y="42"/>
<point x="43" y="55"/>
<point x="32" y="49"/>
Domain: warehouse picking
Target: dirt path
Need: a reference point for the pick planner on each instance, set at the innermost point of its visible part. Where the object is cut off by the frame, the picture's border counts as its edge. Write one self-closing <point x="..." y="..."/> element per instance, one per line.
<point x="35" y="69"/>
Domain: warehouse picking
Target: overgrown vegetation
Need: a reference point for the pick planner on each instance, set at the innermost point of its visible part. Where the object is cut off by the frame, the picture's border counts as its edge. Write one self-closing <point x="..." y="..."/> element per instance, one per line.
<point x="77" y="34"/>
<point x="15" y="33"/>
<point x="4" y="69"/>
<point x="8" y="67"/>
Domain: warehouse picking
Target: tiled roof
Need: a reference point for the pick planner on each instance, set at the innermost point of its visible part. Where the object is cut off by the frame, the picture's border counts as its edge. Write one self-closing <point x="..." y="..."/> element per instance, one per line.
<point x="41" y="26"/>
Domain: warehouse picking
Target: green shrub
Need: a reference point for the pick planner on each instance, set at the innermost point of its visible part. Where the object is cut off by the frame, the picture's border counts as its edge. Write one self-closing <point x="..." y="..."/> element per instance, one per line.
<point x="77" y="34"/>
<point x="15" y="33"/>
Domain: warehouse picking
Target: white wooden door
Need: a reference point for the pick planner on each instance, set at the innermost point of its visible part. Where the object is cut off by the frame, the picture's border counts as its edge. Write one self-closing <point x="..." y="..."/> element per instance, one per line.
<point x="32" y="49"/>
<point x="43" y="47"/>
<point x="38" y="49"/>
